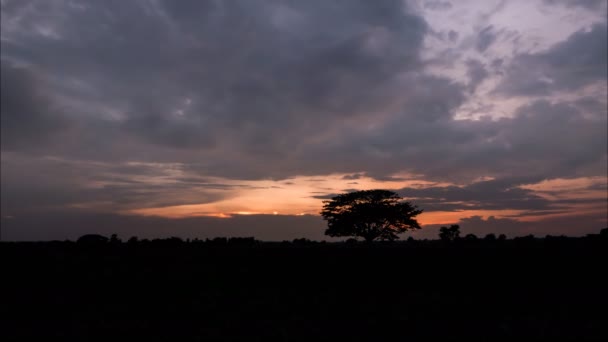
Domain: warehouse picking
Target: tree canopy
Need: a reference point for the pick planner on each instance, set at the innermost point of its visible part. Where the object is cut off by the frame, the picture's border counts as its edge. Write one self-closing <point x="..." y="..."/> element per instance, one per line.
<point x="370" y="214"/>
<point x="449" y="234"/>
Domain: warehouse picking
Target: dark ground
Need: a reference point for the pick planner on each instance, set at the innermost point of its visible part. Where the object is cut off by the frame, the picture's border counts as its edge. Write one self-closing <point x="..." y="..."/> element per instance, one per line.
<point x="168" y="290"/>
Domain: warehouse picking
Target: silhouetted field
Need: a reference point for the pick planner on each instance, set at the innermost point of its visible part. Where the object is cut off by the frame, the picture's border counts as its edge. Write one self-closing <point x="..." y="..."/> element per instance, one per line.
<point x="304" y="291"/>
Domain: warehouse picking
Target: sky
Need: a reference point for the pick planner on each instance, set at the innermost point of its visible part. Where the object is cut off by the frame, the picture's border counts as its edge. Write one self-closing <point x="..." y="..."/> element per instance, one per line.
<point x="196" y="118"/>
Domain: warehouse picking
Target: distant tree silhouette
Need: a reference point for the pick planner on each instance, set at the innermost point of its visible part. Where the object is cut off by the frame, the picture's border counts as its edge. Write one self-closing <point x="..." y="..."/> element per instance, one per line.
<point x="302" y="242"/>
<point x="490" y="237"/>
<point x="370" y="214"/>
<point x="470" y="237"/>
<point x="449" y="234"/>
<point x="114" y="239"/>
<point x="92" y="239"/>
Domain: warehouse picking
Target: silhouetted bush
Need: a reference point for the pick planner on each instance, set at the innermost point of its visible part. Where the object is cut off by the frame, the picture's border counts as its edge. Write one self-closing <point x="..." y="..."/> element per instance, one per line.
<point x="243" y="241"/>
<point x="92" y="239"/>
<point x="490" y="238"/>
<point x="470" y="237"/>
<point x="115" y="240"/>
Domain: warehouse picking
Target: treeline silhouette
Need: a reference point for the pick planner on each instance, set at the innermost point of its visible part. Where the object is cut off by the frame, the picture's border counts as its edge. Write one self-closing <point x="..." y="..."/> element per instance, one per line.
<point x="227" y="289"/>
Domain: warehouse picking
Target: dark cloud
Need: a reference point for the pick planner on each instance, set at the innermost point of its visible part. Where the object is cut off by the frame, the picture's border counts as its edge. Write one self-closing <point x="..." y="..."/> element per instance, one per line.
<point x="437" y="5"/>
<point x="501" y="194"/>
<point x="31" y="185"/>
<point x="488" y="195"/>
<point x="476" y="72"/>
<point x="353" y="176"/>
<point x="592" y="5"/>
<point x="578" y="61"/>
<point x="453" y="35"/>
<point x="485" y="38"/>
<point x="292" y="103"/>
<point x="236" y="82"/>
<point x="28" y="116"/>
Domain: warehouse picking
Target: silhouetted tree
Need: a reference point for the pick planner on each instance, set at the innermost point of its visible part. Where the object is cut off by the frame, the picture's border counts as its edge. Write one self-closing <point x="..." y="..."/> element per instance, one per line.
<point x="302" y="242"/>
<point x="502" y="237"/>
<point x="470" y="237"/>
<point x="92" y="239"/>
<point x="370" y="214"/>
<point x="490" y="237"/>
<point x="114" y="239"/>
<point x="449" y="234"/>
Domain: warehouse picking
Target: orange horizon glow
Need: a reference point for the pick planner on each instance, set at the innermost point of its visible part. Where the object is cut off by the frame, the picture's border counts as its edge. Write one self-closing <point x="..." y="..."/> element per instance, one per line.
<point x="294" y="197"/>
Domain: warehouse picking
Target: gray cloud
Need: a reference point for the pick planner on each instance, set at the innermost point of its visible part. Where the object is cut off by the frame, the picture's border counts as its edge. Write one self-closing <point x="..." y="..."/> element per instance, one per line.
<point x="437" y="5"/>
<point x="29" y="117"/>
<point x="31" y="186"/>
<point x="476" y="72"/>
<point x="353" y="176"/>
<point x="453" y="35"/>
<point x="569" y="65"/>
<point x="485" y="38"/>
<point x="592" y="5"/>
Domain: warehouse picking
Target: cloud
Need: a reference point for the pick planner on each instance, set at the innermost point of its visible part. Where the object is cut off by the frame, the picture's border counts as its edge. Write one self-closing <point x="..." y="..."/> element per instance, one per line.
<point x="353" y="176"/>
<point x="437" y="5"/>
<point x="476" y="72"/>
<point x="31" y="185"/>
<point x="485" y="38"/>
<point x="29" y="117"/>
<point x="592" y="5"/>
<point x="567" y="66"/>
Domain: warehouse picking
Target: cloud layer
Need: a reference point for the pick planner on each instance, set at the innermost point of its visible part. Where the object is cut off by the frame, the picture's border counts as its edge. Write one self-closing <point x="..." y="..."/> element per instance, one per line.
<point x="115" y="106"/>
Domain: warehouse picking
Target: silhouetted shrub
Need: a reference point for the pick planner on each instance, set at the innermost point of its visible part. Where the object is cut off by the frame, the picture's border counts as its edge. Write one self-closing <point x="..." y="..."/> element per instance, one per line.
<point x="470" y="237"/>
<point x="302" y="242"/>
<point x="115" y="240"/>
<point x="218" y="241"/>
<point x="92" y="239"/>
<point x="242" y="241"/>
